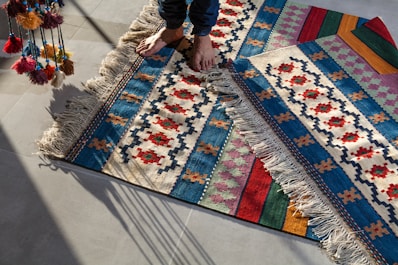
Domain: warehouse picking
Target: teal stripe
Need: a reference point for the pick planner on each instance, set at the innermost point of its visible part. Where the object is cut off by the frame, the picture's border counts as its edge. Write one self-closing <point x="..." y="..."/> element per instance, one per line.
<point x="274" y="210"/>
<point x="330" y="24"/>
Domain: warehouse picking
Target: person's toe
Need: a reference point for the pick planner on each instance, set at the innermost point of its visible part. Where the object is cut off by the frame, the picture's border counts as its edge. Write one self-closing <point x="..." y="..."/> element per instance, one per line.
<point x="196" y="65"/>
<point x="208" y="64"/>
<point x="204" y="65"/>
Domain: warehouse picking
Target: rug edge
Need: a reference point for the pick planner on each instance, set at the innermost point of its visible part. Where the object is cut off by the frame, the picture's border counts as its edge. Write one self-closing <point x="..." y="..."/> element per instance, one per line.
<point x="341" y="247"/>
<point x="70" y="124"/>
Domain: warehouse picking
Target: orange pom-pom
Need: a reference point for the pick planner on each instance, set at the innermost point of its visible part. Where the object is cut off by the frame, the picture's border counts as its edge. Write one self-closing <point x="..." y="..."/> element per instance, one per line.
<point x="29" y="20"/>
<point x="48" y="50"/>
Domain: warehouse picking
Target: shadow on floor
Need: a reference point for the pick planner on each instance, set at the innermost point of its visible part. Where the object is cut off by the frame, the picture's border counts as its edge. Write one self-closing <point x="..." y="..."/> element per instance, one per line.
<point x="29" y="234"/>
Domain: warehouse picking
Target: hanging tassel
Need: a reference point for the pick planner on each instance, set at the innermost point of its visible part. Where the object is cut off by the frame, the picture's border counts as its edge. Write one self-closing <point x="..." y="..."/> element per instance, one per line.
<point x="14" y="7"/>
<point x="58" y="79"/>
<point x="67" y="67"/>
<point x="48" y="51"/>
<point x="57" y="3"/>
<point x="62" y="55"/>
<point x="51" y="20"/>
<point x="49" y="70"/>
<point x="33" y="2"/>
<point x="13" y="44"/>
<point x="31" y="49"/>
<point x="38" y="76"/>
<point x="29" y="20"/>
<point x="60" y="3"/>
<point x="25" y="64"/>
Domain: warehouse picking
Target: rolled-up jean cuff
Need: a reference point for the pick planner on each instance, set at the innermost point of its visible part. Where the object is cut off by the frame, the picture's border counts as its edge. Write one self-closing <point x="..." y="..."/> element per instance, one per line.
<point x="201" y="31"/>
<point x="173" y="25"/>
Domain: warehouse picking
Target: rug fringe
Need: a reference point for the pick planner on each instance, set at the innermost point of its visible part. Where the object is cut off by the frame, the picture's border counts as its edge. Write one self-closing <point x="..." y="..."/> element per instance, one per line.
<point x="69" y="125"/>
<point x="336" y="239"/>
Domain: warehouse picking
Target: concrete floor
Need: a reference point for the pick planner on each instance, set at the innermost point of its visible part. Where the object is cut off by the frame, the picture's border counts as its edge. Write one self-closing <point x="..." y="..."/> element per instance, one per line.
<point x="57" y="214"/>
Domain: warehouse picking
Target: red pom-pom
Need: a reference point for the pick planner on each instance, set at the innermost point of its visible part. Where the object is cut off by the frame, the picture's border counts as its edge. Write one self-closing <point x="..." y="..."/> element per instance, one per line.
<point x="24" y="65"/>
<point x="38" y="77"/>
<point x="13" y="44"/>
<point x="49" y="70"/>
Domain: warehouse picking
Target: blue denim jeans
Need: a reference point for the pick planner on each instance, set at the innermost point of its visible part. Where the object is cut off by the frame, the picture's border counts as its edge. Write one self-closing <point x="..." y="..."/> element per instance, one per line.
<point x="202" y="13"/>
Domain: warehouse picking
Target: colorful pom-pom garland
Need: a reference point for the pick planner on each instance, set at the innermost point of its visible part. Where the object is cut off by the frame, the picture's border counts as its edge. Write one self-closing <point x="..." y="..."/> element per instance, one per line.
<point x="50" y="63"/>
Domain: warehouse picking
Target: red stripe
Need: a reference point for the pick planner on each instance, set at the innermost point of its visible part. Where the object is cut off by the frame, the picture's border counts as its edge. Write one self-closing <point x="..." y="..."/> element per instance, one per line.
<point x="377" y="26"/>
<point x="255" y="193"/>
<point x="312" y="24"/>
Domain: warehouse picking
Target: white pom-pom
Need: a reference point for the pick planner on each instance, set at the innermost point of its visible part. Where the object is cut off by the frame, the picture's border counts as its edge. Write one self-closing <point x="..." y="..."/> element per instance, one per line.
<point x="58" y="79"/>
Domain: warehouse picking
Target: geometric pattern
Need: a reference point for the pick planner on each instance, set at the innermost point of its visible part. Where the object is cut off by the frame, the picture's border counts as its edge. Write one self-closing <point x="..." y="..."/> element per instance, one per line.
<point x="288" y="27"/>
<point x="161" y="128"/>
<point x="230" y="176"/>
<point x="343" y="133"/>
<point x="380" y="88"/>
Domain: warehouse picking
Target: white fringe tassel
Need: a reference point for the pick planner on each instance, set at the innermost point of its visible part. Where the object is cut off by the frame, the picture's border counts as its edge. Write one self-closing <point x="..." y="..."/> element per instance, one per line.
<point x="338" y="241"/>
<point x="69" y="125"/>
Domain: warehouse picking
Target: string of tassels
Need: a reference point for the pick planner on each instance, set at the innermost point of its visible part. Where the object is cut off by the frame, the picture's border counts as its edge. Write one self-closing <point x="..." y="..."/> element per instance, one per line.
<point x="50" y="63"/>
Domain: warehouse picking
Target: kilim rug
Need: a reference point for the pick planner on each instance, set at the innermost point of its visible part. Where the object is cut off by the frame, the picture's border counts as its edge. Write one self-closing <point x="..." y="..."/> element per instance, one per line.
<point x="154" y="122"/>
<point x="324" y="116"/>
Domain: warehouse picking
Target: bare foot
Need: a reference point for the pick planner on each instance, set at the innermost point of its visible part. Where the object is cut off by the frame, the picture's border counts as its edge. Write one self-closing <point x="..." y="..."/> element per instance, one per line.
<point x="156" y="42"/>
<point x="203" y="53"/>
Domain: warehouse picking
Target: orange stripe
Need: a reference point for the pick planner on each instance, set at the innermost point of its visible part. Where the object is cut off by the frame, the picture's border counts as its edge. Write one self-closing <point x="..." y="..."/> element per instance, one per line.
<point x="381" y="66"/>
<point x="295" y="224"/>
<point x="347" y="23"/>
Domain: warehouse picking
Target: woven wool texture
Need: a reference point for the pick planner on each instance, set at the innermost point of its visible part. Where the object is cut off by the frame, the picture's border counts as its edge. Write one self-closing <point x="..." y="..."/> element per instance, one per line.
<point x="157" y="124"/>
<point x="334" y="111"/>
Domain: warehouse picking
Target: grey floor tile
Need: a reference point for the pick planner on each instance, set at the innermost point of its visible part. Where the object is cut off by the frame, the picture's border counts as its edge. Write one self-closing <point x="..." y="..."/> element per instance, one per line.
<point x="118" y="12"/>
<point x="11" y="89"/>
<point x="99" y="31"/>
<point x="221" y="240"/>
<point x="81" y="9"/>
<point x="24" y="123"/>
<point x="55" y="213"/>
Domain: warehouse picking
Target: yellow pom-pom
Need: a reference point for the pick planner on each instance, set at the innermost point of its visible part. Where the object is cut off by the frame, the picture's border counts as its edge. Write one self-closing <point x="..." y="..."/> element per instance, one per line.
<point x="61" y="55"/>
<point x="49" y="50"/>
<point x="29" y="20"/>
